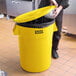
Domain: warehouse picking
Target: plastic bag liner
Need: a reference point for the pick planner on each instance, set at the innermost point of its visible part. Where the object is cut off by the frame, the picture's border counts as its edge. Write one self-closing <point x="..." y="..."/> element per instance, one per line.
<point x="38" y="23"/>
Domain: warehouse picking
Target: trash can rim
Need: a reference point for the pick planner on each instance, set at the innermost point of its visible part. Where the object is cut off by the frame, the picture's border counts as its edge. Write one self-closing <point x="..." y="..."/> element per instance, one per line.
<point x="36" y="25"/>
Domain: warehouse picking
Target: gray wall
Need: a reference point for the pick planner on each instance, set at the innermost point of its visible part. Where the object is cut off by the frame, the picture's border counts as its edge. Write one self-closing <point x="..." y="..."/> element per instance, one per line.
<point x="72" y="7"/>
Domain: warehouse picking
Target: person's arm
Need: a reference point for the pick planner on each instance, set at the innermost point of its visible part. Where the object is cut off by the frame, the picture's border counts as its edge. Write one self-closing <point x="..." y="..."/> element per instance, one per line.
<point x="58" y="10"/>
<point x="53" y="2"/>
<point x="64" y="3"/>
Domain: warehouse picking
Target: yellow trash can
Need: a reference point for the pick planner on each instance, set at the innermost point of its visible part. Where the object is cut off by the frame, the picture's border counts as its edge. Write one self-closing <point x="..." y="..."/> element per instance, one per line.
<point x="35" y="43"/>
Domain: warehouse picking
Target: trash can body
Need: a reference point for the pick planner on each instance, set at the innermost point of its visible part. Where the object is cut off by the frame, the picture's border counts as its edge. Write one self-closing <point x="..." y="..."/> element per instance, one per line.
<point x="35" y="47"/>
<point x="35" y="34"/>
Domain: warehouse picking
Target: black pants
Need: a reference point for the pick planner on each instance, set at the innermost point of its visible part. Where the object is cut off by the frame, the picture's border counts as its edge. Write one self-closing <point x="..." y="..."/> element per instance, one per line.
<point x="58" y="20"/>
<point x="57" y="34"/>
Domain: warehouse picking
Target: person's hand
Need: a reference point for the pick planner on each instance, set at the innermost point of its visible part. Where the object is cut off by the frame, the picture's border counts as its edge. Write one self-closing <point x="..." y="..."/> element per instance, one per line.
<point x="53" y="2"/>
<point x="57" y="11"/>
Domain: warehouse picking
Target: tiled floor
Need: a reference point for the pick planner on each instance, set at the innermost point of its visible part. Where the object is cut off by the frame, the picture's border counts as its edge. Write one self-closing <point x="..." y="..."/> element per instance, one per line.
<point x="9" y="54"/>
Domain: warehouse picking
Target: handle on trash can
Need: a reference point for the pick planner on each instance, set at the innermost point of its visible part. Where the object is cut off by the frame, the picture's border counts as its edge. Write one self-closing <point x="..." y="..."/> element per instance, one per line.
<point x="16" y="30"/>
<point x="55" y="27"/>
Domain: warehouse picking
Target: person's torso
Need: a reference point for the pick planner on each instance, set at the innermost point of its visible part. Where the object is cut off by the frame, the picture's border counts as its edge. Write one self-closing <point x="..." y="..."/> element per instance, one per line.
<point x="44" y="3"/>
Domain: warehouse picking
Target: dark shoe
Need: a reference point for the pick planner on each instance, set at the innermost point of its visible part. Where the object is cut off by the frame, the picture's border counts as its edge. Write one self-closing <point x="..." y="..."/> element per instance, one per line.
<point x="55" y="54"/>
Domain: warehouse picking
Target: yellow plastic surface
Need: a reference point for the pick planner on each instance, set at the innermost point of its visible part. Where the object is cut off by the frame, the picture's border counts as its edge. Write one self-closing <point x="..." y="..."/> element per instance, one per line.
<point x="35" y="49"/>
<point x="34" y="14"/>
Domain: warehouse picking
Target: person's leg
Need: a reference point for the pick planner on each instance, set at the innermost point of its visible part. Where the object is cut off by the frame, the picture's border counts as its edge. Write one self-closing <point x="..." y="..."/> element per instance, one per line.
<point x="57" y="35"/>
